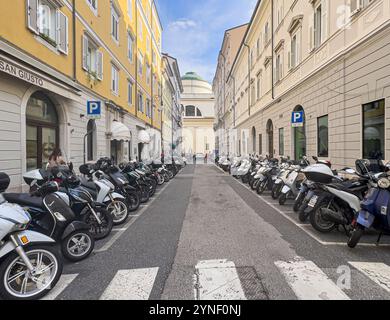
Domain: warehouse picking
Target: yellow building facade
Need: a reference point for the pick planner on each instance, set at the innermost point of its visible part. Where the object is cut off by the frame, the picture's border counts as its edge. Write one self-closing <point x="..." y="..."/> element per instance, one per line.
<point x="63" y="55"/>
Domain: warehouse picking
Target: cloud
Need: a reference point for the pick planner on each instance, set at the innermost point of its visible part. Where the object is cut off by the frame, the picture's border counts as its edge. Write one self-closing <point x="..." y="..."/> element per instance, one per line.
<point x="182" y="24"/>
<point x="195" y="29"/>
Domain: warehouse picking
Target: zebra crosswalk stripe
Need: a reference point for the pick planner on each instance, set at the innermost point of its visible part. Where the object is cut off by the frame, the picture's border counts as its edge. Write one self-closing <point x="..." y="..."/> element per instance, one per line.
<point x="309" y="282"/>
<point x="377" y="272"/>
<point x="62" y="284"/>
<point x="135" y="284"/>
<point x="217" y="280"/>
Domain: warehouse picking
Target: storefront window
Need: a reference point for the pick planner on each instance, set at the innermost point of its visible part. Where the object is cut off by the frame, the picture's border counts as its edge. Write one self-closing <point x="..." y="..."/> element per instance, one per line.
<point x="300" y="138"/>
<point x="374" y="130"/>
<point x="323" y="136"/>
<point x="41" y="130"/>
<point x="281" y="141"/>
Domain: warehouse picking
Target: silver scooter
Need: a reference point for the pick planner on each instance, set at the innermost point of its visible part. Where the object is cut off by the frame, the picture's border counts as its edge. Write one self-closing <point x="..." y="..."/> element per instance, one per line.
<point x="30" y="262"/>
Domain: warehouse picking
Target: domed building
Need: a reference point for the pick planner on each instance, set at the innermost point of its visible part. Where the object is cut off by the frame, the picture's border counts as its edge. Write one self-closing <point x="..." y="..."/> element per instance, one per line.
<point x="198" y="117"/>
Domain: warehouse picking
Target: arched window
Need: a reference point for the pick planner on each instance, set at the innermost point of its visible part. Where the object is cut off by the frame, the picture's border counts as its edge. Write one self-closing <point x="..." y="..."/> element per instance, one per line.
<point x="42" y="135"/>
<point x="91" y="140"/>
<point x="190" y="111"/>
<point x="198" y="112"/>
<point x="254" y="145"/>
<point x="270" y="135"/>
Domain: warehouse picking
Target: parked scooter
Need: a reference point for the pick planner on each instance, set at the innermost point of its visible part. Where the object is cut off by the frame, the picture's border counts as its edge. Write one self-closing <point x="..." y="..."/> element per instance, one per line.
<point x="375" y="209"/>
<point x="103" y="191"/>
<point x="52" y="216"/>
<point x="30" y="262"/>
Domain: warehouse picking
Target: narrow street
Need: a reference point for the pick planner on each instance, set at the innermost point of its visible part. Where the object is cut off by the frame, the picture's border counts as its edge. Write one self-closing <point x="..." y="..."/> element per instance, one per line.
<point x="206" y="236"/>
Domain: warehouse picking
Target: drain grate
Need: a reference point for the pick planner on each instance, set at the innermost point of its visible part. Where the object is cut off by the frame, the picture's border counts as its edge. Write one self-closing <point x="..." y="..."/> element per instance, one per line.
<point x="252" y="284"/>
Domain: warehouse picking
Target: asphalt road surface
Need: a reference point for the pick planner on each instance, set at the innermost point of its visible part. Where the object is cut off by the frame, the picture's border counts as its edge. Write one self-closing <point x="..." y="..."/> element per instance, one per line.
<point x="206" y="236"/>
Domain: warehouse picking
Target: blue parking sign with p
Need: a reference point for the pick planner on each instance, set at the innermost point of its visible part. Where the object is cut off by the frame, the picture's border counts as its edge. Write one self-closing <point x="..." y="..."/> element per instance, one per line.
<point x="298" y="119"/>
<point x="94" y="109"/>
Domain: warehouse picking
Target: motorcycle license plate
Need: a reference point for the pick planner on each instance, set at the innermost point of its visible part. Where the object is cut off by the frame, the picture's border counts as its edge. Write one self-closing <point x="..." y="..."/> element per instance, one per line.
<point x="313" y="201"/>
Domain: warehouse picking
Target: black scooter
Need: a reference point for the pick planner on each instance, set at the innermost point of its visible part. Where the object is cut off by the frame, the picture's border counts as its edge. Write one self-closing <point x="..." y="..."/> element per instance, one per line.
<point x="52" y="216"/>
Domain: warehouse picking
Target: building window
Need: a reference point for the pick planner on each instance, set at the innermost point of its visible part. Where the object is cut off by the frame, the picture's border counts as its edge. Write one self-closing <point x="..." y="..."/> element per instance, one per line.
<point x="93" y="4"/>
<point x="140" y="29"/>
<point x="295" y="56"/>
<point x="266" y="33"/>
<point x="148" y="73"/>
<point x="281" y="141"/>
<point x="114" y="24"/>
<point x="148" y="110"/>
<point x="279" y="66"/>
<point x="140" y="102"/>
<point x="323" y="136"/>
<point x="130" y="9"/>
<point x="92" y="58"/>
<point x="260" y="144"/>
<point x="45" y="19"/>
<point x="140" y="63"/>
<point x="374" y="130"/>
<point x="130" y="92"/>
<point x="258" y="86"/>
<point x="190" y="111"/>
<point x="115" y="80"/>
<point x="130" y="47"/>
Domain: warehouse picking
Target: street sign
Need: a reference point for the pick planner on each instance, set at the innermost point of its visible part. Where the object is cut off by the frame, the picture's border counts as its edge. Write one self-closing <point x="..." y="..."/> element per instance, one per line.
<point x="297" y="119"/>
<point x="94" y="109"/>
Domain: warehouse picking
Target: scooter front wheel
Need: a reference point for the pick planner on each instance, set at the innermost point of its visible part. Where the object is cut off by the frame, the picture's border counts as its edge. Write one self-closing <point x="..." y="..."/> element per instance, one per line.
<point x="119" y="211"/>
<point x="282" y="199"/>
<point x="99" y="230"/>
<point x="299" y="201"/>
<point x="16" y="282"/>
<point x="356" y="236"/>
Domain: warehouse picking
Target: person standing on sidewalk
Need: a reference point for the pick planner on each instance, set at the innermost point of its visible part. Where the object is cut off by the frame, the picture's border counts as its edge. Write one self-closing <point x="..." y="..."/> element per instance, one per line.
<point x="205" y="158"/>
<point x="194" y="158"/>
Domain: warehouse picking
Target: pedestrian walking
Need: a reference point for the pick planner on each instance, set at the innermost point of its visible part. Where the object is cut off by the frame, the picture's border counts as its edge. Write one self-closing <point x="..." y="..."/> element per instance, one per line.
<point x="194" y="159"/>
<point x="205" y="158"/>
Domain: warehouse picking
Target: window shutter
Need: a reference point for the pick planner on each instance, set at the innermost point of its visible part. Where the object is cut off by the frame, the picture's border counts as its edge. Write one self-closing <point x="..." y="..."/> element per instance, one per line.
<point x="298" y="45"/>
<point x="324" y="20"/>
<point x="289" y="60"/>
<point x="311" y="32"/>
<point x="62" y="32"/>
<point x="32" y="15"/>
<point x="99" y="65"/>
<point x="85" y="52"/>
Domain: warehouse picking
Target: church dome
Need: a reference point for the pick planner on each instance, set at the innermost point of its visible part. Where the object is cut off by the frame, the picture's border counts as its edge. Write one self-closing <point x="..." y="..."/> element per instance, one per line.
<point x="192" y="76"/>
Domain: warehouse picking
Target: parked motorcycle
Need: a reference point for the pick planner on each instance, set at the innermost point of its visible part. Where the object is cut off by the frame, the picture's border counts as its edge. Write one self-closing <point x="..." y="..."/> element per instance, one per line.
<point x="30" y="262"/>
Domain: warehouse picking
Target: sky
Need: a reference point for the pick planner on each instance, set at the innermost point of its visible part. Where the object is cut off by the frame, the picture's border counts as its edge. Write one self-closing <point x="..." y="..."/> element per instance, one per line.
<point x="194" y="30"/>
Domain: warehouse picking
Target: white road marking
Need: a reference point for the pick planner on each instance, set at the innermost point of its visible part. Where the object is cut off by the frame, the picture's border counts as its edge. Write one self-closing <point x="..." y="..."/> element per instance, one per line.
<point x="61" y="285"/>
<point x="309" y="282"/>
<point x="377" y="272"/>
<point x="116" y="236"/>
<point x="217" y="280"/>
<point x="306" y="227"/>
<point x="136" y="284"/>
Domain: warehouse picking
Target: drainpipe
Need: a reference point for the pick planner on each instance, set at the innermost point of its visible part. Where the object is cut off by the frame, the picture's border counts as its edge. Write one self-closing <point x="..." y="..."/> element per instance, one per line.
<point x="249" y="78"/>
<point x="74" y="39"/>
<point x="136" y="60"/>
<point x="272" y="48"/>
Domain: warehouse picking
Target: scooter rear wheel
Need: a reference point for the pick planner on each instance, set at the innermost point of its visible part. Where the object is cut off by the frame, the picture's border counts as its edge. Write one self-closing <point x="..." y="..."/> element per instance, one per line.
<point x="77" y="246"/>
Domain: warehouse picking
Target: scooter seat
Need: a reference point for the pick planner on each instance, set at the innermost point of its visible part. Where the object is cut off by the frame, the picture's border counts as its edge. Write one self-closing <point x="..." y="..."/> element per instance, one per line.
<point x="88" y="184"/>
<point x="24" y="199"/>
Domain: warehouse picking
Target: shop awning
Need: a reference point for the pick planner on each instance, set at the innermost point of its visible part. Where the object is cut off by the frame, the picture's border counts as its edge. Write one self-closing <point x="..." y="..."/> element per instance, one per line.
<point x="120" y="132"/>
<point x="144" y="137"/>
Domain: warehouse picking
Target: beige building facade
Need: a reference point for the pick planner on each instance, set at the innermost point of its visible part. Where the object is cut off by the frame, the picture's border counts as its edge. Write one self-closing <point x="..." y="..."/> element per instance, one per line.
<point x="223" y="90"/>
<point x="198" y="116"/>
<point x="324" y="61"/>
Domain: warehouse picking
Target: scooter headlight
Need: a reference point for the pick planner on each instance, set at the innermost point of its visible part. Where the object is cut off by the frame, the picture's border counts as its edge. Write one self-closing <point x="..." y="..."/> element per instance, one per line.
<point x="384" y="183"/>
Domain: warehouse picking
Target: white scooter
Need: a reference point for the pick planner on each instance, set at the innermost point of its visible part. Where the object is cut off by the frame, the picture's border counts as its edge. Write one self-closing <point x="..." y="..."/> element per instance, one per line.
<point x="103" y="191"/>
<point x="31" y="264"/>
